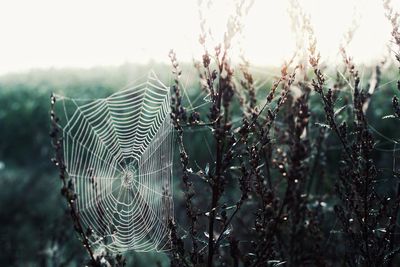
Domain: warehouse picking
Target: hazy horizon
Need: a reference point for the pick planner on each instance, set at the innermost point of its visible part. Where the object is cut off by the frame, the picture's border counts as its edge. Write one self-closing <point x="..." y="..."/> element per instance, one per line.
<point x="75" y="34"/>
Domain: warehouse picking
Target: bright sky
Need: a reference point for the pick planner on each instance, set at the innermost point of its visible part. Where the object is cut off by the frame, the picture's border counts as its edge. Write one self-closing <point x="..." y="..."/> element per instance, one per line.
<point x="86" y="33"/>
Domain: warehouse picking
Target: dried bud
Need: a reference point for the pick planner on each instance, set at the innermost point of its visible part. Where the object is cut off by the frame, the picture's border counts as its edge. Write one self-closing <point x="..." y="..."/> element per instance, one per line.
<point x="206" y="60"/>
<point x="396" y="106"/>
<point x="343" y="129"/>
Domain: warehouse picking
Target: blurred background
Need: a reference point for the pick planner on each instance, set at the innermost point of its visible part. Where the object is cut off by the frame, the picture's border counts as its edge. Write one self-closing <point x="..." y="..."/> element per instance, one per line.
<point x="93" y="48"/>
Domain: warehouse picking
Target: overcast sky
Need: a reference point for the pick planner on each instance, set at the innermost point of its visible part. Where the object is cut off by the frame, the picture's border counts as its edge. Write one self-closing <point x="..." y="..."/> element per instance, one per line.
<point x="86" y="33"/>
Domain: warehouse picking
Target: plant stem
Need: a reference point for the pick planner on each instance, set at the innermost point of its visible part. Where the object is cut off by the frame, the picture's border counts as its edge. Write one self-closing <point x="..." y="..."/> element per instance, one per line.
<point x="216" y="181"/>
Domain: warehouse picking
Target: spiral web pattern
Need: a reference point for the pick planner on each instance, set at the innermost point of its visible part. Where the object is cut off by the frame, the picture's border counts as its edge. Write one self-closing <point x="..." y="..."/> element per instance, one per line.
<point x="118" y="152"/>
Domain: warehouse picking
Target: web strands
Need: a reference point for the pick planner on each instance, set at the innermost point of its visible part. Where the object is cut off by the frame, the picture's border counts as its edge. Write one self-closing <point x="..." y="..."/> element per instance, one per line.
<point x="118" y="151"/>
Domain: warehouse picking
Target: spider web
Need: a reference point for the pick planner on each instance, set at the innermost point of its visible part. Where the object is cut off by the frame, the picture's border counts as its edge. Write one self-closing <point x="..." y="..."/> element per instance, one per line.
<point x="118" y="153"/>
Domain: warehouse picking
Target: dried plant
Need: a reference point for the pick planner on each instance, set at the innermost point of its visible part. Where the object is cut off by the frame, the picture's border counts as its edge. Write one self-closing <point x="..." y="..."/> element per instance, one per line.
<point x="272" y="154"/>
<point x="263" y="197"/>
